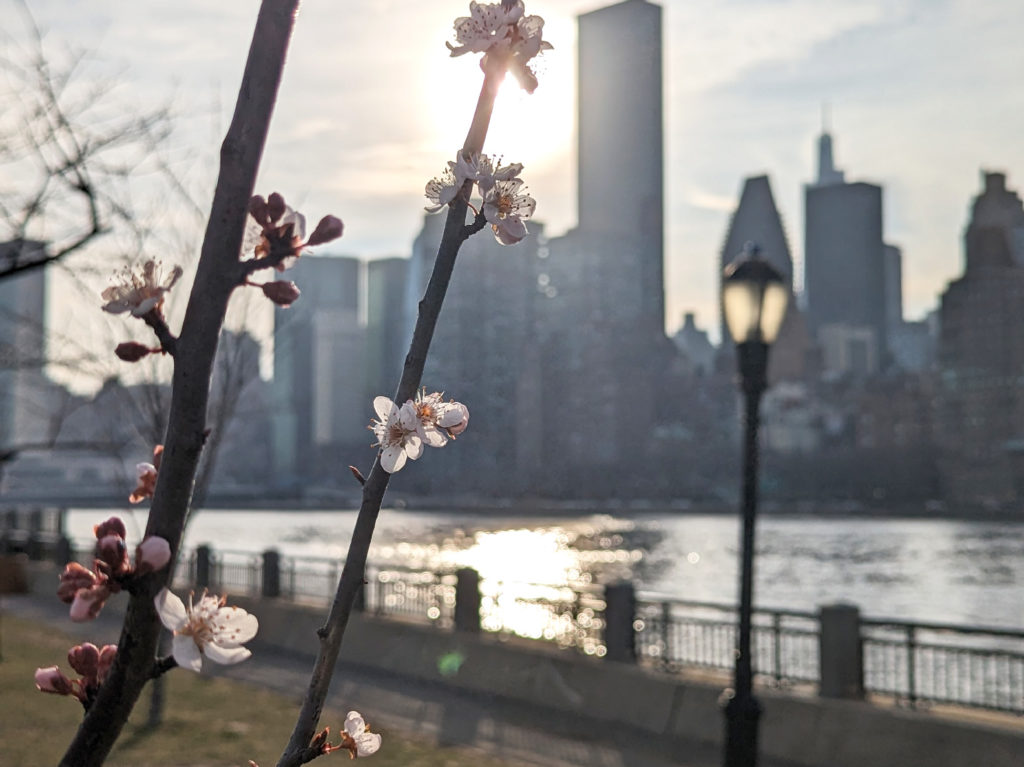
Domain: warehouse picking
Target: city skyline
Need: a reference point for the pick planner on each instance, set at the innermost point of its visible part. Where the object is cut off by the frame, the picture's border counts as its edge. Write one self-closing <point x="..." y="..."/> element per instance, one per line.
<point x="744" y="85"/>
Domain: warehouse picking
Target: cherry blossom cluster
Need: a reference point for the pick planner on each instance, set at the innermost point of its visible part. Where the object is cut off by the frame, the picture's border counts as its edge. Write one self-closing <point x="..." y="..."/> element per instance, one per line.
<point x="503" y="33"/>
<point x="505" y="204"/>
<point x="403" y="431"/>
<point x="207" y="628"/>
<point x="89" y="661"/>
<point x="88" y="590"/>
<point x="356" y="738"/>
<point x="140" y="291"/>
<point x="274" y="234"/>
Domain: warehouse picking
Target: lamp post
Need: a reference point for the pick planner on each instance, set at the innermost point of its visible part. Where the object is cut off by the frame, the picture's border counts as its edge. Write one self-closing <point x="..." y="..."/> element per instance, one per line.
<point x="754" y="299"/>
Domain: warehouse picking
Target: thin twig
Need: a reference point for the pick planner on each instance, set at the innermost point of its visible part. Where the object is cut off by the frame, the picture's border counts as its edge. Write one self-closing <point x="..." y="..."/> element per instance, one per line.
<point x="351" y="581"/>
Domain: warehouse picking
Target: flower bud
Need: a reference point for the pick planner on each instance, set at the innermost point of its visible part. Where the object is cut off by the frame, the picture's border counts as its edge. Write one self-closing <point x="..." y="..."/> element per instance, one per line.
<point x="329" y="228"/>
<point x="111" y="526"/>
<point x="130" y="351"/>
<point x="275" y="206"/>
<point x="111" y="549"/>
<point x="152" y="554"/>
<point x="50" y="679"/>
<point x="84" y="659"/>
<point x="74" y="578"/>
<point x="106" y="660"/>
<point x="455" y="419"/>
<point x="258" y="209"/>
<point x="282" y="292"/>
<point x="88" y="602"/>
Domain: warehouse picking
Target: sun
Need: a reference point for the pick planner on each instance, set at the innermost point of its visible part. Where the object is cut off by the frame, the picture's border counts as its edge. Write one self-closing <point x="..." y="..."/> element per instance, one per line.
<point x="533" y="129"/>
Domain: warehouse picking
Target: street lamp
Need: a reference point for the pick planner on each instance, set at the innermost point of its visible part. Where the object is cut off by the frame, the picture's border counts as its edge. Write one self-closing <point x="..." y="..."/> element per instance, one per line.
<point x="754" y="298"/>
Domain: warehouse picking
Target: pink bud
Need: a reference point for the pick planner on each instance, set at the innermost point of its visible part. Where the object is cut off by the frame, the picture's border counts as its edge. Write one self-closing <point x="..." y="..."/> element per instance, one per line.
<point x="84" y="658"/>
<point x="147" y="480"/>
<point x="50" y="679"/>
<point x="152" y="554"/>
<point x="74" y="578"/>
<point x="258" y="209"/>
<point x="112" y="551"/>
<point x="276" y="206"/>
<point x="112" y="526"/>
<point x="107" y="653"/>
<point x="130" y="351"/>
<point x="88" y="603"/>
<point x="455" y="419"/>
<point x="282" y="292"/>
<point x="329" y="228"/>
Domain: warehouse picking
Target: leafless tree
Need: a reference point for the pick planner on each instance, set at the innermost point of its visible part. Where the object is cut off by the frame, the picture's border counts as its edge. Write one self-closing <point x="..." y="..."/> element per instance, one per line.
<point x="68" y="147"/>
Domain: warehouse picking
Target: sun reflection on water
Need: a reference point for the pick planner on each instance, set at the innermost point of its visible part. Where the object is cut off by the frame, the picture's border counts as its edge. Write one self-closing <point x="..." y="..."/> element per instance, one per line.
<point x="542" y="582"/>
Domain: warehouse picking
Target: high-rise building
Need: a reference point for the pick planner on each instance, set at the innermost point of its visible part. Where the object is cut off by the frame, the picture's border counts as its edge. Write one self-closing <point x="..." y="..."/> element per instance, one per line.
<point x="756" y="220"/>
<point x="480" y="356"/>
<point x="620" y="153"/>
<point x="844" y="266"/>
<point x="319" y="390"/>
<point x="22" y="346"/>
<point x="386" y="339"/>
<point x="980" y="420"/>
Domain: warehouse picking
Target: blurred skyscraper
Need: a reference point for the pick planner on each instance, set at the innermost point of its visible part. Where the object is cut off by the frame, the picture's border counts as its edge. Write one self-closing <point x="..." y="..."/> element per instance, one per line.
<point x="844" y="266"/>
<point x="319" y="389"/>
<point x="757" y="220"/>
<point x="620" y="159"/>
<point x="24" y="390"/>
<point x="386" y="338"/>
<point x="981" y="354"/>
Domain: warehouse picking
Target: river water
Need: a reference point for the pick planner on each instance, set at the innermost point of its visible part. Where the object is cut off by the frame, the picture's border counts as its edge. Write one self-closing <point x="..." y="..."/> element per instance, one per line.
<point x="947" y="571"/>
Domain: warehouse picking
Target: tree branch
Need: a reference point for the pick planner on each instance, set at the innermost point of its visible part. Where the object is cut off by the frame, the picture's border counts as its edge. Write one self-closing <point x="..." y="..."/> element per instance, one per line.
<point x="377" y="482"/>
<point x="197" y="344"/>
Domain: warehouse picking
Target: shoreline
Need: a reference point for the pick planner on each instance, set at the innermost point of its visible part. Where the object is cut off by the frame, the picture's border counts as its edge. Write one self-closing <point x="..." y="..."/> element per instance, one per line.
<point x="581" y="508"/>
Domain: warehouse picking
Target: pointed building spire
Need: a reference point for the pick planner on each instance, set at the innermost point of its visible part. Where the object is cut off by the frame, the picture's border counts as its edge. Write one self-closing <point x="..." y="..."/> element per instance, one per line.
<point x="827" y="173"/>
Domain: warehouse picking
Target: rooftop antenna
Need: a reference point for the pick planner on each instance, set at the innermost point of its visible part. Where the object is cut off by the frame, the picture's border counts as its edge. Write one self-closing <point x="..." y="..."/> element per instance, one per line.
<point x="826" y="117"/>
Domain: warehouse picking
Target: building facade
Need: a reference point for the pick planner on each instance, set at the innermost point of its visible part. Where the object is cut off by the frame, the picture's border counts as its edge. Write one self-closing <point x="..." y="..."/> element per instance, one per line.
<point x="981" y="354"/>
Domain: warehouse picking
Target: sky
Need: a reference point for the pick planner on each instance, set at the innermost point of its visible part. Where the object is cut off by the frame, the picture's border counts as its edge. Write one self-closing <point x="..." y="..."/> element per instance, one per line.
<point x="923" y="95"/>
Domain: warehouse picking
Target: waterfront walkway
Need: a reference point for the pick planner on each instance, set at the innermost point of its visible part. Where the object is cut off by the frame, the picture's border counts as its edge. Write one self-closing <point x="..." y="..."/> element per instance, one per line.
<point x="437" y="713"/>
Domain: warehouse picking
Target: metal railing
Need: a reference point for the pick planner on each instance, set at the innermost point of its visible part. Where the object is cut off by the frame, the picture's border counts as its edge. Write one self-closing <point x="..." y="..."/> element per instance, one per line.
<point x="934" y="663"/>
<point x="916" y="664"/>
<point x="673" y="634"/>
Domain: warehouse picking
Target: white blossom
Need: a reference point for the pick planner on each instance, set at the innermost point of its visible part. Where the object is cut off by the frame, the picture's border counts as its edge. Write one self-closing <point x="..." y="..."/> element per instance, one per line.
<point x="141" y="291"/>
<point x="437" y="420"/>
<point x="488" y="25"/>
<point x="365" y="742"/>
<point x="208" y="628"/>
<point x="489" y="172"/>
<point x="444" y="188"/>
<point x="397" y="433"/>
<point x="506" y="210"/>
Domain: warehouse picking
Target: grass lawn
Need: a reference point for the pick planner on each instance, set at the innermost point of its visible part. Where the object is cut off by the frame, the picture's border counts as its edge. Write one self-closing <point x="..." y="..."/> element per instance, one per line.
<point x="208" y="722"/>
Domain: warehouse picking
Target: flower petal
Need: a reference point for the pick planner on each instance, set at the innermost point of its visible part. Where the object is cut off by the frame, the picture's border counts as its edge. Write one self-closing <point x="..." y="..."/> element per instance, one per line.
<point x="186" y="652"/>
<point x="384" y="407"/>
<point x="392" y="458"/>
<point x="170" y="609"/>
<point x="227" y="656"/>
<point x="234" y="627"/>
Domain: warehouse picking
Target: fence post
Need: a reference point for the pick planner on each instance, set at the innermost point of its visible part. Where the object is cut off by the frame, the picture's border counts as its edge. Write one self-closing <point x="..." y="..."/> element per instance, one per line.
<point x="840" y="652"/>
<point x="467" y="600"/>
<point x="271" y="573"/>
<point x="619" y="615"/>
<point x="63" y="551"/>
<point x="203" y="561"/>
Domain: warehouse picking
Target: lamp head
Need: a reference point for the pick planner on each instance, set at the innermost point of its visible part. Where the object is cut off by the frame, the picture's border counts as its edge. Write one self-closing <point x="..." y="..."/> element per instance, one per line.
<point x="754" y="298"/>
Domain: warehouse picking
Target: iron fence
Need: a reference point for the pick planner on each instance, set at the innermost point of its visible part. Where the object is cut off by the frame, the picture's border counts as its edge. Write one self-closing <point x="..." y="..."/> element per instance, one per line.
<point x="932" y="663"/>
<point x="673" y="634"/>
<point x="917" y="664"/>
